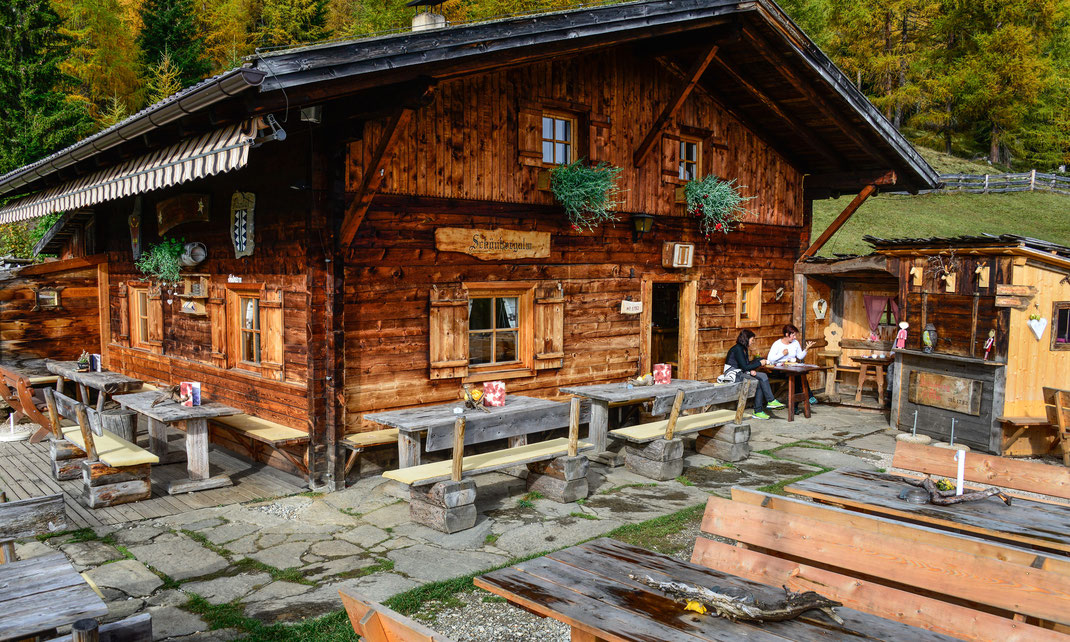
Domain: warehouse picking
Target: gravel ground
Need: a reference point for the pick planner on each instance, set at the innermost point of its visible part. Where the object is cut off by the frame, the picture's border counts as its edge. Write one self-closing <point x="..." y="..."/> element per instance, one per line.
<point x="479" y="620"/>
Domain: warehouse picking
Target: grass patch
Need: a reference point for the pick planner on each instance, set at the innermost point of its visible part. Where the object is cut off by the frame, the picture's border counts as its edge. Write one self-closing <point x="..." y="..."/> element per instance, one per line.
<point x="802" y="443"/>
<point x="623" y="486"/>
<point x="334" y="627"/>
<point x="652" y="534"/>
<point x="491" y="538"/>
<point x="287" y="574"/>
<point x="525" y="503"/>
<point x="494" y="599"/>
<point x="533" y="495"/>
<point x="778" y="488"/>
<point x="203" y="541"/>
<point x="79" y="535"/>
<point x="382" y="564"/>
<point x="685" y="481"/>
<point x="580" y="515"/>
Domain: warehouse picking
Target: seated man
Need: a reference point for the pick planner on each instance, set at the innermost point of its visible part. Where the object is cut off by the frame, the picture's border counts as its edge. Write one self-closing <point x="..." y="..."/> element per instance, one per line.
<point x="787" y="350"/>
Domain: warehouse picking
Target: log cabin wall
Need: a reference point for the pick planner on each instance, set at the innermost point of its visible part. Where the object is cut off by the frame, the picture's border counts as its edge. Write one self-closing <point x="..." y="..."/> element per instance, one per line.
<point x="29" y="327"/>
<point x="279" y="261"/>
<point x="1035" y="363"/>
<point x="457" y="165"/>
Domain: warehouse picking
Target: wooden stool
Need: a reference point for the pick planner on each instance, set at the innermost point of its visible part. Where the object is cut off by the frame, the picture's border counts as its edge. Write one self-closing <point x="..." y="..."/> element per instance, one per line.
<point x="871" y="369"/>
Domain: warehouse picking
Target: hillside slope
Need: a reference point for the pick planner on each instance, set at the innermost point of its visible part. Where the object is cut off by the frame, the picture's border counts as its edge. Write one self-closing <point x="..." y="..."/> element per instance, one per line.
<point x="1041" y="215"/>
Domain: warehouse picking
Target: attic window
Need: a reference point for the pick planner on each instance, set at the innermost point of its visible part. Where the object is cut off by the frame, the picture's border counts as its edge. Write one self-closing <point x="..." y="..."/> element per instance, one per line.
<point x="558" y="136"/>
<point x="46" y="299"/>
<point x="1060" y="330"/>
<point x="690" y="158"/>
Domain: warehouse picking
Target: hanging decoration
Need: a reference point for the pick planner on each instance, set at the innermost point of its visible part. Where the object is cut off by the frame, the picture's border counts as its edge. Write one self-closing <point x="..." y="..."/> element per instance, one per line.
<point x="779" y="293"/>
<point x="184" y="208"/>
<point x="241" y="223"/>
<point x="1037" y="324"/>
<point x="990" y="342"/>
<point x="588" y="193"/>
<point x="135" y="229"/>
<point x="716" y="203"/>
<point x="821" y="307"/>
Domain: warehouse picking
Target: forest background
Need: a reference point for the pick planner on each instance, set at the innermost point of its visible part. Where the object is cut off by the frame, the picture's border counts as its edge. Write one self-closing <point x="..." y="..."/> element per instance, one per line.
<point x="977" y="78"/>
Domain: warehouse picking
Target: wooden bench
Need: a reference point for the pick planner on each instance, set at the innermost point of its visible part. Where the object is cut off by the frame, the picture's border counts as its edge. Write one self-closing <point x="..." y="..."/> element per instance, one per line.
<point x="114" y="470"/>
<point x="356" y="443"/>
<point x="1025" y="436"/>
<point x="655" y="449"/>
<point x="136" y="628"/>
<point x="442" y="494"/>
<point x="28" y="518"/>
<point x="373" y="622"/>
<point x="1057" y="406"/>
<point x="21" y="392"/>
<point x="956" y="585"/>
<point x="269" y="433"/>
<point x="991" y="470"/>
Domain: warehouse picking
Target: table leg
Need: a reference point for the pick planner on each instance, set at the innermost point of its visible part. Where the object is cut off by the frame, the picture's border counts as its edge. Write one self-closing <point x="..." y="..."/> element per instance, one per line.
<point x="863" y="370"/>
<point x="197" y="460"/>
<point x="579" y="635"/>
<point x="101" y="396"/>
<point x="598" y="434"/>
<point x="408" y="449"/>
<point x="791" y="397"/>
<point x="804" y="380"/>
<point x="83" y="394"/>
<point x="59" y="385"/>
<point x="880" y="385"/>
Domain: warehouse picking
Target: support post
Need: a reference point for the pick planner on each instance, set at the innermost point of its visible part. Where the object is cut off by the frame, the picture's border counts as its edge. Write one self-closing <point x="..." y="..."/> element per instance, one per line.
<point x="671" y="109"/>
<point x="851" y="208"/>
<point x="458" y="449"/>
<point x="574" y="427"/>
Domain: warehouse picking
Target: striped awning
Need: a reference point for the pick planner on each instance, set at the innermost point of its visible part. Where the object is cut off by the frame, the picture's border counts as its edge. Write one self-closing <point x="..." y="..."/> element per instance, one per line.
<point x="213" y="153"/>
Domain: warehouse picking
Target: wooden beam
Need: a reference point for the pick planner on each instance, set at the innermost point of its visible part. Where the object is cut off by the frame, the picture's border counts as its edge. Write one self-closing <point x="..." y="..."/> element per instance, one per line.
<point x="866" y="192"/>
<point x="800" y="130"/>
<point x="669" y="112"/>
<point x="373" y="173"/>
<point x="846" y="181"/>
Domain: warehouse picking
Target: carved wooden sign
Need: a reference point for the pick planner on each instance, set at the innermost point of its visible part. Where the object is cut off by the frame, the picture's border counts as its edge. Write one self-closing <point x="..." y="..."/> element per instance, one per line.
<point x="943" y="391"/>
<point x="184" y="208"/>
<point x="493" y="245"/>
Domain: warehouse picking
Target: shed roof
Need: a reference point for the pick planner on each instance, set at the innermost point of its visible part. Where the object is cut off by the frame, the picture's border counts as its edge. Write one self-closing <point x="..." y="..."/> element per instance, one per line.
<point x="981" y="241"/>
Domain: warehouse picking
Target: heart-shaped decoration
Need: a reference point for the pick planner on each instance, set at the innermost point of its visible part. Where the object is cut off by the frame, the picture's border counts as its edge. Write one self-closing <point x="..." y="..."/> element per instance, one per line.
<point x="821" y="306"/>
<point x="1038" y="326"/>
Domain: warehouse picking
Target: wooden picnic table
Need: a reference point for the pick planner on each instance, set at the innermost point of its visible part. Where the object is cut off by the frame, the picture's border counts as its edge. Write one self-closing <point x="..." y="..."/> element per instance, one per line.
<point x="44" y="593"/>
<point x="588" y="587"/>
<point x="412" y="422"/>
<point x="192" y="420"/>
<point x="1040" y="525"/>
<point x="105" y="382"/>
<point x="21" y="378"/>
<point x="798" y="385"/>
<point x="604" y="394"/>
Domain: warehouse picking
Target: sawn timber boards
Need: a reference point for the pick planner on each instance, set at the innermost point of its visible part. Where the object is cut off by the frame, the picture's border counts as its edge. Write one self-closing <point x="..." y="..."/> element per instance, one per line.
<point x="109" y="382"/>
<point x="1029" y="476"/>
<point x="621" y="393"/>
<point x="1040" y="525"/>
<point x="484" y="462"/>
<point x="588" y="587"/>
<point x="684" y="426"/>
<point x="44" y="593"/>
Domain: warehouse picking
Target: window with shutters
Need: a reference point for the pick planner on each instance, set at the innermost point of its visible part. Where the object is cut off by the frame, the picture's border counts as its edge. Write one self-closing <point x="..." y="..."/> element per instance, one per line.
<point x="1060" y="325"/>
<point x="748" y="301"/>
<point x="556" y="132"/>
<point x="482" y="331"/>
<point x="145" y="310"/>
<point x="254" y="330"/>
<point x="690" y="158"/>
<point x="558" y="138"/>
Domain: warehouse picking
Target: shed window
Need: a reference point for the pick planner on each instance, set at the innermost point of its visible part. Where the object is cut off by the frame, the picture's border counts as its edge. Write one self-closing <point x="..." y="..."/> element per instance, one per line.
<point x="254" y="320"/>
<point x="46" y="299"/>
<point x="690" y="159"/>
<point x="557" y="139"/>
<point x="1060" y="330"/>
<point x="888" y="314"/>
<point x="493" y="330"/>
<point x="748" y="301"/>
<point x="249" y="320"/>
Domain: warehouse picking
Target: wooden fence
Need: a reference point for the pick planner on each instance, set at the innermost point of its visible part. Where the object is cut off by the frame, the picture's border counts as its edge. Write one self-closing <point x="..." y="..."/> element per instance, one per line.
<point x="999" y="183"/>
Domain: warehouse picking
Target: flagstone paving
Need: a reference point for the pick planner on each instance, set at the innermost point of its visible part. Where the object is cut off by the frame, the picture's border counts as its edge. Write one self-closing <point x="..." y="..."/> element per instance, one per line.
<point x="283" y="560"/>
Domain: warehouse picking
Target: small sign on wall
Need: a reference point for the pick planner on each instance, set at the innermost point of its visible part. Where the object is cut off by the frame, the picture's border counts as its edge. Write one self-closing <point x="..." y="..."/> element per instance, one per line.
<point x="677" y="255"/>
<point x="493" y="245"/>
<point x="631" y="307"/>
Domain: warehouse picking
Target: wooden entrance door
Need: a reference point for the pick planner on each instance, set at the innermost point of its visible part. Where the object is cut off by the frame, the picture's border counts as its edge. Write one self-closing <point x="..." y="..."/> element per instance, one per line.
<point x="668" y="328"/>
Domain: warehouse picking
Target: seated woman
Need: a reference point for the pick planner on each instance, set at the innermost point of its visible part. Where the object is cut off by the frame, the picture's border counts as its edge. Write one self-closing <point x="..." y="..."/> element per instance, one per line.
<point x="739" y="357"/>
<point x="787" y="349"/>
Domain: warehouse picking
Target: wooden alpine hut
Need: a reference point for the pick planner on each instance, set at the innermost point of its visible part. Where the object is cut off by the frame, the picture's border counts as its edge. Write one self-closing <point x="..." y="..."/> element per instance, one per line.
<point x="376" y="227"/>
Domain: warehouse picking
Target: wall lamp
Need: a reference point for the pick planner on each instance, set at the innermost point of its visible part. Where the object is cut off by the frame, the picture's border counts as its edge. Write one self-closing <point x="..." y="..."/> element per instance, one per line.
<point x="641" y="224"/>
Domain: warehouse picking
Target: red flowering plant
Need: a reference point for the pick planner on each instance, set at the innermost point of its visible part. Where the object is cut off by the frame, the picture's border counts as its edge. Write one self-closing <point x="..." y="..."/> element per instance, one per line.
<point x="716" y="203"/>
<point x="588" y="193"/>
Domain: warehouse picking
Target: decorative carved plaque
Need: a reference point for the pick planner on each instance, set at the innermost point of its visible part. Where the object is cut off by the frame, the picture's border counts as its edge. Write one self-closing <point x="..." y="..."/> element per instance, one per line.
<point x="493" y="245"/>
<point x="184" y="208"/>
<point x="943" y="391"/>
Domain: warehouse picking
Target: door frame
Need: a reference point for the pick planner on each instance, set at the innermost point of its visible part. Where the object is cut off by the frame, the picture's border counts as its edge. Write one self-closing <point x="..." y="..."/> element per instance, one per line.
<point x="687" y="366"/>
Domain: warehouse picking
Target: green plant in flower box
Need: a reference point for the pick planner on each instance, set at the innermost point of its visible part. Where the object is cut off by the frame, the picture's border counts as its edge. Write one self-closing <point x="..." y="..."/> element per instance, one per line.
<point x="161" y="260"/>
<point x="716" y="203"/>
<point x="588" y="193"/>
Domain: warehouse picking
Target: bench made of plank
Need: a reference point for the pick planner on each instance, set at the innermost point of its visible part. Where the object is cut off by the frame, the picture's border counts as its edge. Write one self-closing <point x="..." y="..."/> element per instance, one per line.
<point x="959" y="586"/>
<point x="28" y="518"/>
<point x="356" y="443"/>
<point x="274" y="435"/>
<point x="373" y="622"/>
<point x="17" y="389"/>
<point x="485" y="462"/>
<point x="688" y="400"/>
<point x="1057" y="407"/>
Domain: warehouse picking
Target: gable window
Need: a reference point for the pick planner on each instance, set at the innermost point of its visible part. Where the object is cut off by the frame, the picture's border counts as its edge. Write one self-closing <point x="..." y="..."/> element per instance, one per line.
<point x="748" y="301"/>
<point x="249" y="328"/>
<point x="1060" y="326"/>
<point x="558" y="139"/>
<point x="690" y="158"/>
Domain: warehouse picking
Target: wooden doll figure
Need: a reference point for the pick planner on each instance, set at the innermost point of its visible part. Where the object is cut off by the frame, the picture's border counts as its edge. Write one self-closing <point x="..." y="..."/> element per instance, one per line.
<point x="901" y="336"/>
<point x="989" y="343"/>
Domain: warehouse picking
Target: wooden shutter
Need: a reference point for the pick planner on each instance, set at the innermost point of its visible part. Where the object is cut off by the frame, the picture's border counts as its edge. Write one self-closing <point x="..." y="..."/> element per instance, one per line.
<point x="124" y="315"/>
<point x="529" y="134"/>
<point x="217" y="319"/>
<point x="550" y="329"/>
<point x="155" y="318"/>
<point x="271" y="349"/>
<point x="670" y="159"/>
<point x="599" y="137"/>
<point x="449" y="333"/>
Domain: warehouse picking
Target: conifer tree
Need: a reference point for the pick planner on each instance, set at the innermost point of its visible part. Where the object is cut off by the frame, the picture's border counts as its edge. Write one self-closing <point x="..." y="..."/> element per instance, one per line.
<point x="163" y="80"/>
<point x="169" y="28"/>
<point x="103" y="59"/>
<point x="36" y="118"/>
<point x="292" y="22"/>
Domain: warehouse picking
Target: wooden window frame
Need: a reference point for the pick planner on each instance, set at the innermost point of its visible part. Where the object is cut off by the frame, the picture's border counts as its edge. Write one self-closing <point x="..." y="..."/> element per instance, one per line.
<point x="697" y="142"/>
<point x="235" y="292"/>
<point x="573" y="130"/>
<point x="133" y="292"/>
<point x="1055" y="308"/>
<point x="524" y="366"/>
<point x="752" y="286"/>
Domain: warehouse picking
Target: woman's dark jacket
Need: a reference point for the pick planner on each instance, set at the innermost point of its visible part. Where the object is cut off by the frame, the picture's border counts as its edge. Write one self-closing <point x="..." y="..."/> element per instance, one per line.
<point x="739" y="358"/>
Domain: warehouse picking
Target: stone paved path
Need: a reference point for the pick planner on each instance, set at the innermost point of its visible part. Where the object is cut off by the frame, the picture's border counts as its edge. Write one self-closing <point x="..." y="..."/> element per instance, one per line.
<point x="284" y="560"/>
